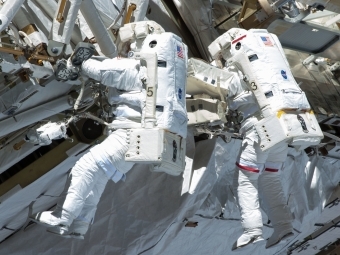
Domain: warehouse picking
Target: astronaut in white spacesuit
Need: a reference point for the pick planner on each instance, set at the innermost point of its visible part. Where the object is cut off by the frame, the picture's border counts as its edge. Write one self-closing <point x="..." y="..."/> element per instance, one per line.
<point x="86" y="182"/>
<point x="262" y="87"/>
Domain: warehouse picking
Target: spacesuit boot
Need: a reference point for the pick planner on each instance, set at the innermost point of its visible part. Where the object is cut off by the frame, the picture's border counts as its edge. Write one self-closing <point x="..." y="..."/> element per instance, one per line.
<point x="277" y="210"/>
<point x="60" y="220"/>
<point x="249" y="236"/>
<point x="81" y="224"/>
<point x="77" y="230"/>
<point x="251" y="217"/>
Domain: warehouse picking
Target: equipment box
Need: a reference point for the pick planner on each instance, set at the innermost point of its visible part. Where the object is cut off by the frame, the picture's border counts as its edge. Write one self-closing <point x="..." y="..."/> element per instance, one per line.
<point x="202" y="79"/>
<point x="299" y="129"/>
<point x="204" y="110"/>
<point x="164" y="150"/>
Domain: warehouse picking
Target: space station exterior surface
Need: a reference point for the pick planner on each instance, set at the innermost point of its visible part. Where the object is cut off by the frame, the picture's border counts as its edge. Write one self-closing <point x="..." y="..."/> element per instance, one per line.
<point x="169" y="127"/>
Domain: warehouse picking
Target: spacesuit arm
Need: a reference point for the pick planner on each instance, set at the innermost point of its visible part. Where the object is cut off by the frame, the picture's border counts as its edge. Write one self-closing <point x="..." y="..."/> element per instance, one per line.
<point x="122" y="74"/>
<point x="221" y="46"/>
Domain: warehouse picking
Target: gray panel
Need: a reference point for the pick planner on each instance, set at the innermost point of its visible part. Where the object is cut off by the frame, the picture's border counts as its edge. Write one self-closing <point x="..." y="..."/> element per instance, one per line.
<point x="307" y="38"/>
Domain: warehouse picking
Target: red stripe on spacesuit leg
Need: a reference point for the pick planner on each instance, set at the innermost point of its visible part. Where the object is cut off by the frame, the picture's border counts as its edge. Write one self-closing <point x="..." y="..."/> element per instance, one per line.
<point x="238" y="39"/>
<point x="247" y="168"/>
<point x="271" y="170"/>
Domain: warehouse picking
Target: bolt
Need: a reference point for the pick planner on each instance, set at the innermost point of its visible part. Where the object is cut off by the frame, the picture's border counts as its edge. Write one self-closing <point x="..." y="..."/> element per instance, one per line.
<point x="54" y="50"/>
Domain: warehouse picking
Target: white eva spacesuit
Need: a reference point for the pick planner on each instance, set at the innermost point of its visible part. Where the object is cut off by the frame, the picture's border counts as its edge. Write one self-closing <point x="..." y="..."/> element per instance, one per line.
<point x="265" y="93"/>
<point x="129" y="81"/>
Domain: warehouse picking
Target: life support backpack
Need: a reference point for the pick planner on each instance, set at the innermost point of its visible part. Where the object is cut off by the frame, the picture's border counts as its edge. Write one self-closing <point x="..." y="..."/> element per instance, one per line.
<point x="161" y="140"/>
<point x="285" y="113"/>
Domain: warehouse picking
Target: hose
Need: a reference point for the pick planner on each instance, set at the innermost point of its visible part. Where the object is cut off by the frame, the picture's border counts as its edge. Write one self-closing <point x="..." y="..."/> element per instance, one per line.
<point x="90" y="116"/>
<point x="30" y="43"/>
<point x="81" y="93"/>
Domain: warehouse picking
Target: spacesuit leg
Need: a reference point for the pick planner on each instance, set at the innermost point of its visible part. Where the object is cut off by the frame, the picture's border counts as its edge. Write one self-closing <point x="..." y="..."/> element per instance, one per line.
<point x="91" y="173"/>
<point x="86" y="216"/>
<point x="251" y="218"/>
<point x="277" y="210"/>
<point x="83" y="177"/>
<point x="249" y="166"/>
<point x="80" y="225"/>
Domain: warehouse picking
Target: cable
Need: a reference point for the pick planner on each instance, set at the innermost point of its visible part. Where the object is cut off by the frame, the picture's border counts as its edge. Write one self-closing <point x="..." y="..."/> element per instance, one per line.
<point x="86" y="107"/>
<point x="30" y="43"/>
<point x="12" y="45"/>
<point x="228" y="18"/>
<point x="89" y="115"/>
<point x="9" y="84"/>
<point x="81" y="93"/>
<point x="13" y="136"/>
<point x="119" y="15"/>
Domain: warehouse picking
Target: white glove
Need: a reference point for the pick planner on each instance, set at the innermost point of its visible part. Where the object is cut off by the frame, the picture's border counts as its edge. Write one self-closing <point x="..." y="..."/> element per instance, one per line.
<point x="46" y="133"/>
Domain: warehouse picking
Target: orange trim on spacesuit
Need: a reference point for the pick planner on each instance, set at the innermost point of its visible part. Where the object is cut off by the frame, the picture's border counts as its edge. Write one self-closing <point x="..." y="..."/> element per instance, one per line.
<point x="247" y="168"/>
<point x="238" y="39"/>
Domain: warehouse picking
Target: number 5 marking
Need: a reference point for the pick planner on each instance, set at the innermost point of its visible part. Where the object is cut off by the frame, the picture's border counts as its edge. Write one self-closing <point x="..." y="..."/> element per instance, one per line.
<point x="150" y="92"/>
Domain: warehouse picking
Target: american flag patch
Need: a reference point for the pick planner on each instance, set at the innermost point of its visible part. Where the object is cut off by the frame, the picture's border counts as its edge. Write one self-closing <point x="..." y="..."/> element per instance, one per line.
<point x="179" y="51"/>
<point x="266" y="40"/>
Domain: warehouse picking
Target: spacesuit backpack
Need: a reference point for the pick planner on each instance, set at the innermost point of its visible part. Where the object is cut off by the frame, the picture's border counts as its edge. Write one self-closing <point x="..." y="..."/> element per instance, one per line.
<point x="161" y="140"/>
<point x="285" y="112"/>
